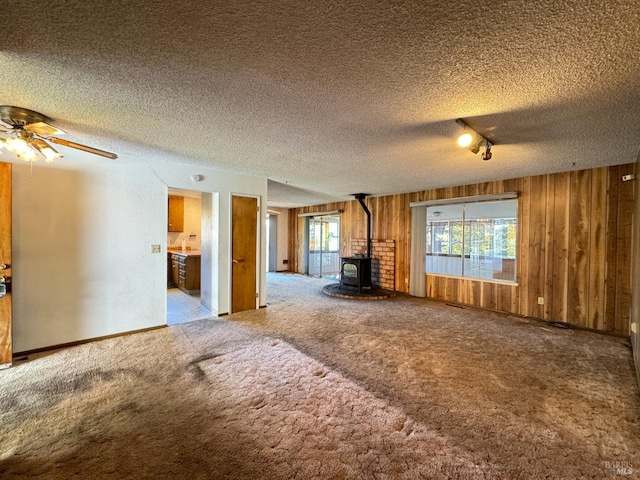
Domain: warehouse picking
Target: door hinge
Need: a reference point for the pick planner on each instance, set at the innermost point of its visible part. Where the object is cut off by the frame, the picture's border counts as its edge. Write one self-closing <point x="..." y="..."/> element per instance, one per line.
<point x="257" y="295"/>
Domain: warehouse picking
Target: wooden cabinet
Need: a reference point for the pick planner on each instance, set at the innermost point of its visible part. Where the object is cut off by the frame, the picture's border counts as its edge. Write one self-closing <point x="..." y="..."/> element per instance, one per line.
<point x="176" y="214"/>
<point x="185" y="272"/>
<point x="170" y="281"/>
<point x="175" y="270"/>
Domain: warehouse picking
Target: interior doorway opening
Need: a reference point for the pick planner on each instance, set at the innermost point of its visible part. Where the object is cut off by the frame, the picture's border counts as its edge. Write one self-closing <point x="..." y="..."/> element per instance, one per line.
<point x="185" y="264"/>
<point x="272" y="242"/>
<point x="323" y="246"/>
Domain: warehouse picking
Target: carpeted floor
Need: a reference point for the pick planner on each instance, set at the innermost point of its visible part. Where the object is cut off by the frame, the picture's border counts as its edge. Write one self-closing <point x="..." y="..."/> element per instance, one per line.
<point x="321" y="387"/>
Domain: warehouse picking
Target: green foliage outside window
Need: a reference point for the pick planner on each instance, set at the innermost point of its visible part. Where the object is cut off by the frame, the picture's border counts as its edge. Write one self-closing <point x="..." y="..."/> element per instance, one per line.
<point x="490" y="238"/>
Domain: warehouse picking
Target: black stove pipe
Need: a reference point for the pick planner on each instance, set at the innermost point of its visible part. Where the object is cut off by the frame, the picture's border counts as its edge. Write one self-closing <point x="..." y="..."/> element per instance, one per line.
<point x="360" y="197"/>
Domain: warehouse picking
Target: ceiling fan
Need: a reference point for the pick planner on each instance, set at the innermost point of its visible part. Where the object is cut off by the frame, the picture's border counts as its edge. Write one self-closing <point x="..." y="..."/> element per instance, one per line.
<point x="30" y="133"/>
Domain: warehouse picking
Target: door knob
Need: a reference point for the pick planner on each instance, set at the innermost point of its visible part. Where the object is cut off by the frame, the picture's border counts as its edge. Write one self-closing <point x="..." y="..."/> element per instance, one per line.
<point x="3" y="266"/>
<point x="238" y="261"/>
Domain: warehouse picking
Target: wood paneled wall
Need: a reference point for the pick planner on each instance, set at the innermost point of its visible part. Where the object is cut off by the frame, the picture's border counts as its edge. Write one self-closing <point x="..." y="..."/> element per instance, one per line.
<point x="574" y="245"/>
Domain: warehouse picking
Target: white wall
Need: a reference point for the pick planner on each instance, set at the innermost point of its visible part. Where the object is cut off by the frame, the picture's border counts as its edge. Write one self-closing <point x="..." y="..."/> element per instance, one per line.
<point x="208" y="275"/>
<point x="82" y="232"/>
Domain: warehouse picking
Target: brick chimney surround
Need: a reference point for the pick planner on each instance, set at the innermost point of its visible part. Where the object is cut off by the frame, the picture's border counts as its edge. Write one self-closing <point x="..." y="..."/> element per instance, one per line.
<point x="383" y="264"/>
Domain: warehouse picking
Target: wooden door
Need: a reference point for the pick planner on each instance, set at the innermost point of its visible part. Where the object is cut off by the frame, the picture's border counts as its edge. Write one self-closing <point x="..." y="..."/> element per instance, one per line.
<point x="175" y="221"/>
<point x="6" y="348"/>
<point x="244" y="241"/>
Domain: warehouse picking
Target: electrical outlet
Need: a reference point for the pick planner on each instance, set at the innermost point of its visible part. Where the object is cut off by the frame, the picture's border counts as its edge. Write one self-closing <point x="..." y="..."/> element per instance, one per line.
<point x="540" y="300"/>
<point x="155" y="248"/>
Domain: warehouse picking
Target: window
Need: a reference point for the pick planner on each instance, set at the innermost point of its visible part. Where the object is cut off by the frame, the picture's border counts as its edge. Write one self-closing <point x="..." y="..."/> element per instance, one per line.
<point x="476" y="240"/>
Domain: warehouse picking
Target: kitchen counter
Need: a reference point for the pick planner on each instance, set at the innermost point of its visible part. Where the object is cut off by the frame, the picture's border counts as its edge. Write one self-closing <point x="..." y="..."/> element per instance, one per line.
<point x="185" y="253"/>
<point x="184" y="269"/>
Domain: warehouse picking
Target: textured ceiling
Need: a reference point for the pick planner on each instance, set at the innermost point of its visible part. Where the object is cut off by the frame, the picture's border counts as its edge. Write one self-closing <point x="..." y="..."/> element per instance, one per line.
<point x="329" y="98"/>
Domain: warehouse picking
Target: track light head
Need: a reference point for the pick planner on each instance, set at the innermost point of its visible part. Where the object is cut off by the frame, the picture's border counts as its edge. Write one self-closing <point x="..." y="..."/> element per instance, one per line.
<point x="473" y="140"/>
<point x="465" y="139"/>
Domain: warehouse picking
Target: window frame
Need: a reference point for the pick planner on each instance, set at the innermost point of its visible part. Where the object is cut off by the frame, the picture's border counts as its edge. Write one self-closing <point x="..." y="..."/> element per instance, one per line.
<point x="496" y="251"/>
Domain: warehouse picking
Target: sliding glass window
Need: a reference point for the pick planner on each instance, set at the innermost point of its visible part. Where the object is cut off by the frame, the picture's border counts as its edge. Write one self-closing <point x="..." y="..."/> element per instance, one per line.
<point x="475" y="240"/>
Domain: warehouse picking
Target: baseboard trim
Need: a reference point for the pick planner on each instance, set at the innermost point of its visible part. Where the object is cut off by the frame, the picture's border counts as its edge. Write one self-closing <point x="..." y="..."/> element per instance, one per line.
<point x="530" y="317"/>
<point x="82" y="342"/>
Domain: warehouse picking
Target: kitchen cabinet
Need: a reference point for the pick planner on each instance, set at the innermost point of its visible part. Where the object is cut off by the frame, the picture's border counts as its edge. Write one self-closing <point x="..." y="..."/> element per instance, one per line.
<point x="176" y="214"/>
<point x="185" y="271"/>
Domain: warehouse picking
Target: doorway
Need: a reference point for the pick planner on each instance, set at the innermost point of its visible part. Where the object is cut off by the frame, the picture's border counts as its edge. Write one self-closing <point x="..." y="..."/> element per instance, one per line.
<point x="272" y="242"/>
<point x="323" y="251"/>
<point x="185" y="264"/>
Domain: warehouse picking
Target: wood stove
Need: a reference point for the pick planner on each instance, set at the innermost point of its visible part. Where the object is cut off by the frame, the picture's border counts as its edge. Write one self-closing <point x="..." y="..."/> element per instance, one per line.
<point x="355" y="272"/>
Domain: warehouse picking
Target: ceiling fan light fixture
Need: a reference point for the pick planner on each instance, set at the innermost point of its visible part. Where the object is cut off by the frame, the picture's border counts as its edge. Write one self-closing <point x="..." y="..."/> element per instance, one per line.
<point x="29" y="156"/>
<point x="18" y="146"/>
<point x="49" y="153"/>
<point x="29" y="130"/>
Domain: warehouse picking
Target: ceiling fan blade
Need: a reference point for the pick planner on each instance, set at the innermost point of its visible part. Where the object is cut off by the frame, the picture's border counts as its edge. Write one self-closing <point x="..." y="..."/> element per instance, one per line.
<point x="84" y="148"/>
<point x="42" y="128"/>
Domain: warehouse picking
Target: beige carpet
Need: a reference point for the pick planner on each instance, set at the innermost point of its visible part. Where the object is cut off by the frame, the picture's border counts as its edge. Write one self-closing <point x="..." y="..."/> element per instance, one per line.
<point x="321" y="387"/>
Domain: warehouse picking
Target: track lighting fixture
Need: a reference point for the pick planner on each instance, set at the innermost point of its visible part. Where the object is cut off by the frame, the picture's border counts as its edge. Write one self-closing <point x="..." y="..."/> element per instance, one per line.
<point x="473" y="140"/>
<point x="487" y="150"/>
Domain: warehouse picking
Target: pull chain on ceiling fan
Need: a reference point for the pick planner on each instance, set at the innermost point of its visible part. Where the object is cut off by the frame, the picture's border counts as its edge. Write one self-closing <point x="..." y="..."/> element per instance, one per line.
<point x="30" y="133"/>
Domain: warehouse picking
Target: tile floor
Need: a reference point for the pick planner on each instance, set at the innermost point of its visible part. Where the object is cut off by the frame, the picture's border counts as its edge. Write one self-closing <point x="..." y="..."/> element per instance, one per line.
<point x="182" y="308"/>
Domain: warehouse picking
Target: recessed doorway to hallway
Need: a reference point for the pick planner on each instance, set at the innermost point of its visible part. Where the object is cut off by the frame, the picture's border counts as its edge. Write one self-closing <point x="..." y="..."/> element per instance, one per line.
<point x="184" y="259"/>
<point x="272" y="241"/>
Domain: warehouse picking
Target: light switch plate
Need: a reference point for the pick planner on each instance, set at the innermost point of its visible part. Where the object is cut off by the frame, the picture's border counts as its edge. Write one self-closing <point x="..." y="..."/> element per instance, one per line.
<point x="155" y="248"/>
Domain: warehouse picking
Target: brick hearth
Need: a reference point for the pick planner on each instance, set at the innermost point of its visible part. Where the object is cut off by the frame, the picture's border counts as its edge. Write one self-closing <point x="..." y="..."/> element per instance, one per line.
<point x="383" y="263"/>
